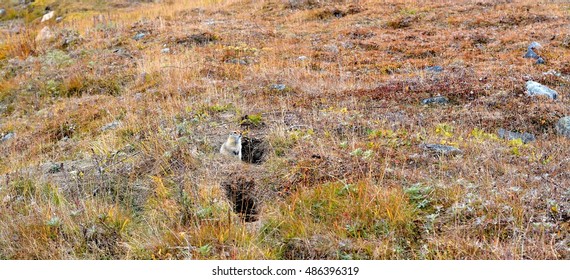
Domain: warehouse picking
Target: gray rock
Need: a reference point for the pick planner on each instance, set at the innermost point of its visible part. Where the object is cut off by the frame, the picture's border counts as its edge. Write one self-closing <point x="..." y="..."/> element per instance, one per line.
<point x="533" y="89"/>
<point x="441" y="149"/>
<point x="435" y="68"/>
<point x="44" y="34"/>
<point x="534" y="45"/>
<point x="510" y="135"/>
<point x="563" y="126"/>
<point x="58" y="19"/>
<point x="237" y="61"/>
<point x="302" y="58"/>
<point x="531" y="54"/>
<point x="435" y="100"/>
<point x="2" y="12"/>
<point x="279" y="87"/>
<point x="7" y="137"/>
<point x="165" y="50"/>
<point x="139" y="36"/>
<point x="110" y="126"/>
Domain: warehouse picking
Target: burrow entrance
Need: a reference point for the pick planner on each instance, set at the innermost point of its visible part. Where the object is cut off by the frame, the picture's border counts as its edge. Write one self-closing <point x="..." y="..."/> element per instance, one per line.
<point x="253" y="150"/>
<point x="242" y="194"/>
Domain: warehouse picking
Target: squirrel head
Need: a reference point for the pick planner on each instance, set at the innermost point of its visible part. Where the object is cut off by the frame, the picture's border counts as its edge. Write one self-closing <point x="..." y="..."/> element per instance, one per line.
<point x="235" y="136"/>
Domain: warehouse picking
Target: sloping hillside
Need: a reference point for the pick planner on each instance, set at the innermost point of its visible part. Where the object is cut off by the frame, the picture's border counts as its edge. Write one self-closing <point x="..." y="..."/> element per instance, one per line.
<point x="372" y="129"/>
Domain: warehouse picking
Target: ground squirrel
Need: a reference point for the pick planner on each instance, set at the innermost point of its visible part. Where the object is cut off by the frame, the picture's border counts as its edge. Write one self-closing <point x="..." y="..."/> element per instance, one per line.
<point x="232" y="146"/>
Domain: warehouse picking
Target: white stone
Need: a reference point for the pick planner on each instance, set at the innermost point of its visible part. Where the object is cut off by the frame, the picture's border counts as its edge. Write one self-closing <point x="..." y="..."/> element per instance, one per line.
<point x="45" y="34"/>
<point x="533" y="89"/>
<point x="48" y="16"/>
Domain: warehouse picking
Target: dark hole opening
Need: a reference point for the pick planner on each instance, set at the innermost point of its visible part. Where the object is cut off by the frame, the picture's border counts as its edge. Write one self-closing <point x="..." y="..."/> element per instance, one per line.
<point x="253" y="150"/>
<point x="242" y="195"/>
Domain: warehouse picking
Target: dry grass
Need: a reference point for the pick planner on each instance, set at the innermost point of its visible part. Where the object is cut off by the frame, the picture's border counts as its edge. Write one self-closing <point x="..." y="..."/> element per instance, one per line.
<point x="115" y="140"/>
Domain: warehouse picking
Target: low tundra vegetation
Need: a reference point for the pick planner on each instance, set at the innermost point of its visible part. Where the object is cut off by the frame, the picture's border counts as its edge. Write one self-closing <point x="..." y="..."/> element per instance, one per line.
<point x="110" y="127"/>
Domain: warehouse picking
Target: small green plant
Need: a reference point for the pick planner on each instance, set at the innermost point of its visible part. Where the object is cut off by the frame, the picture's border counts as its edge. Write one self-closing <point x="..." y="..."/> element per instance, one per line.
<point x="58" y="59"/>
<point x="53" y="227"/>
<point x="444" y="129"/>
<point x="382" y="133"/>
<point x="52" y="88"/>
<point x="356" y="230"/>
<point x="419" y="195"/>
<point x="205" y="111"/>
<point x="554" y="207"/>
<point x="297" y="135"/>
<point x="409" y="11"/>
<point x="480" y="134"/>
<point x="54" y="222"/>
<point x="345" y="189"/>
<point x="515" y="145"/>
<point x="204" y="212"/>
<point x="218" y="108"/>
<point x="361" y="153"/>
<point x="357" y="152"/>
<point x="205" y="250"/>
<point x="253" y="119"/>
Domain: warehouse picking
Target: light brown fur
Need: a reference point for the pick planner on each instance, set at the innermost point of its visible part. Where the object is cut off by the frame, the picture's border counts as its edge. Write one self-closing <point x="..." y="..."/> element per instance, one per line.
<point x="232" y="146"/>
